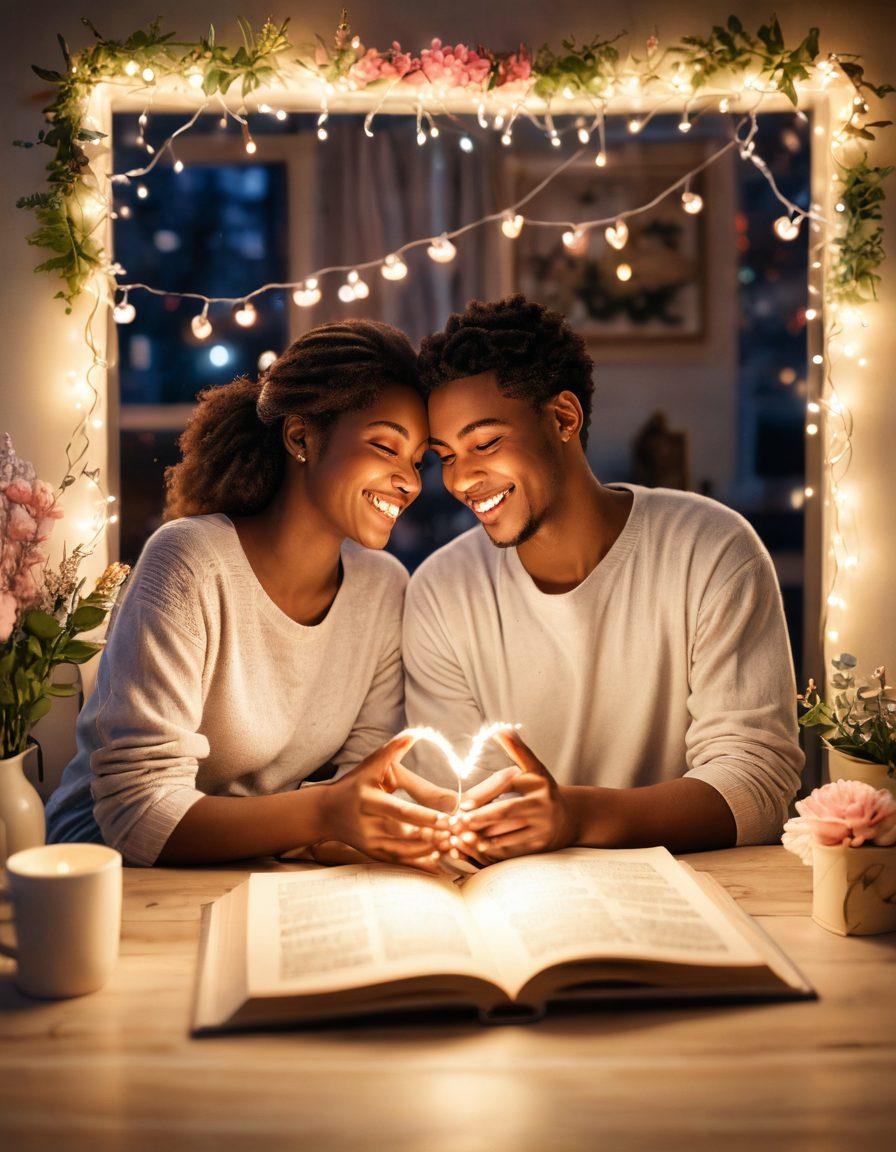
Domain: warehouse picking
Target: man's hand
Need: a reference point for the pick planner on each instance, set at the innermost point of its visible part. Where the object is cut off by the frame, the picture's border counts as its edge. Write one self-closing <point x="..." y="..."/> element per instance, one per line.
<point x="541" y="819"/>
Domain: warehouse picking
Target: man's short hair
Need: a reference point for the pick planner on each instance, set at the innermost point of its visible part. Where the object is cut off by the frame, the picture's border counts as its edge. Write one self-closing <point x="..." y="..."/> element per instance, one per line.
<point x="532" y="350"/>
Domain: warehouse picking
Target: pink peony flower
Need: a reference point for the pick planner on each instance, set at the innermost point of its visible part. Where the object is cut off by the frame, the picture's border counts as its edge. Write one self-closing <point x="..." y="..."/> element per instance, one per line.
<point x="847" y="812"/>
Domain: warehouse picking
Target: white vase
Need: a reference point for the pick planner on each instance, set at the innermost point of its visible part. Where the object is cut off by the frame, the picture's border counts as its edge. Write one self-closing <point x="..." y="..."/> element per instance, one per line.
<point x="21" y="810"/>
<point x="854" y="889"/>
<point x="842" y="766"/>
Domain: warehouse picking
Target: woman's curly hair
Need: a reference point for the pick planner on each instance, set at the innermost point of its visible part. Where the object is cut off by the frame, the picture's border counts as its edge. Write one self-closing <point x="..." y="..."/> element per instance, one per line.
<point x="233" y="451"/>
<point x="531" y="349"/>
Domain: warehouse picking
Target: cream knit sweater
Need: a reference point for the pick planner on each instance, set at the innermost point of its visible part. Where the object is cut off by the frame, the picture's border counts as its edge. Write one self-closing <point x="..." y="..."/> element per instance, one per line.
<point x="206" y="687"/>
<point x="671" y="658"/>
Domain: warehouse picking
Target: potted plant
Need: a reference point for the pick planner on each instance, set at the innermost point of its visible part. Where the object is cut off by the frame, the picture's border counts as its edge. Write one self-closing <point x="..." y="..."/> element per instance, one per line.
<point x="860" y="723"/>
<point x="846" y="831"/>
<point x="42" y="614"/>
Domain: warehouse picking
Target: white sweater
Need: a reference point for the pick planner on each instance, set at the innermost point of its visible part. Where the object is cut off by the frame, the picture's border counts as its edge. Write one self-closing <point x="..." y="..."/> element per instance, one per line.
<point x="671" y="658"/>
<point x="206" y="687"/>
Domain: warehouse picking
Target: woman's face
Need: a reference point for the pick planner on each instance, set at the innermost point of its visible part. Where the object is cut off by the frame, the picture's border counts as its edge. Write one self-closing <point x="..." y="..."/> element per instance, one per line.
<point x="367" y="471"/>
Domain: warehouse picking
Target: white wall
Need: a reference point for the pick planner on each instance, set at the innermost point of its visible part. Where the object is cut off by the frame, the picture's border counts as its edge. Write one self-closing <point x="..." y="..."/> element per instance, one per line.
<point x="39" y="340"/>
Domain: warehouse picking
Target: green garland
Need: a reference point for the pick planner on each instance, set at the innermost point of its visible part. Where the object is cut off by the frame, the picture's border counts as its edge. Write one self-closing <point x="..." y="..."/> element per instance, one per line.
<point x="65" y="230"/>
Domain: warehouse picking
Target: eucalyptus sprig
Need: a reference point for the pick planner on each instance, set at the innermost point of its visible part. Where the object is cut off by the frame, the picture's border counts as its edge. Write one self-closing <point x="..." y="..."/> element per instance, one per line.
<point x="860" y="720"/>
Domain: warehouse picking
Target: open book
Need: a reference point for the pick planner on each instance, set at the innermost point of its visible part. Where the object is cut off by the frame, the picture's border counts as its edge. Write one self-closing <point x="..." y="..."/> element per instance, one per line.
<point x="583" y="923"/>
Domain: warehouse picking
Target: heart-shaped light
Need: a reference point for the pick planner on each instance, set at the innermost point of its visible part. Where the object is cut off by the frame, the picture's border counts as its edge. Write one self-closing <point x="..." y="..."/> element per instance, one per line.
<point x="617" y="234"/>
<point x="461" y="766"/>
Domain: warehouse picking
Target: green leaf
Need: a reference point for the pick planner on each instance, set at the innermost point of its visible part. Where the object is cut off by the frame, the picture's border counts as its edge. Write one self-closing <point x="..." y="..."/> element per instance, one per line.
<point x="39" y="709"/>
<point x="86" y="617"/>
<point x="79" y="651"/>
<point x="47" y="74"/>
<point x="62" y="689"/>
<point x="42" y="625"/>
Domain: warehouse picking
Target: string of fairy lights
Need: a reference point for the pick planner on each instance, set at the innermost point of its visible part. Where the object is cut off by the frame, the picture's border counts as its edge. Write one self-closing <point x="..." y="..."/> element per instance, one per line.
<point x="840" y="326"/>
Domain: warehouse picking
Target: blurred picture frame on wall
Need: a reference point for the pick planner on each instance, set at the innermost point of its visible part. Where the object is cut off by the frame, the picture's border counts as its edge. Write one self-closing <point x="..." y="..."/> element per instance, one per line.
<point x="643" y="279"/>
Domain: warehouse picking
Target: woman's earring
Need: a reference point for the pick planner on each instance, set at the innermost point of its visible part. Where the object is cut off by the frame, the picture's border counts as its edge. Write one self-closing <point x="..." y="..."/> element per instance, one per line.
<point x="300" y="456"/>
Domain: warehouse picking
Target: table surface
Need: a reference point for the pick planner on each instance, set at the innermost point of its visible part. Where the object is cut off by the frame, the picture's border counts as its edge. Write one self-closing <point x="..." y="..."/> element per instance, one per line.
<point x="118" y="1069"/>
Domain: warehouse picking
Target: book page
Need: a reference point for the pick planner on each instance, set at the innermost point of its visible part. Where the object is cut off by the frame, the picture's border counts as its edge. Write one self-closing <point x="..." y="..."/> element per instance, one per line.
<point x="327" y="929"/>
<point x="537" y="911"/>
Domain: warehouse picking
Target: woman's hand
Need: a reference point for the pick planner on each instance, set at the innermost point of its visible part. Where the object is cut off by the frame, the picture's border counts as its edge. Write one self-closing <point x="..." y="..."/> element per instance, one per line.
<point x="360" y="810"/>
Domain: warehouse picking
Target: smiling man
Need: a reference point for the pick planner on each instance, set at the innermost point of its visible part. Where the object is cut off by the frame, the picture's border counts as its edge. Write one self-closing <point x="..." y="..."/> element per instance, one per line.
<point x="637" y="635"/>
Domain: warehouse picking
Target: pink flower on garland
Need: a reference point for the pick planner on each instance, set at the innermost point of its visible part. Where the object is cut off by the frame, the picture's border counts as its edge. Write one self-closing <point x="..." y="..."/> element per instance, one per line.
<point x="847" y="812"/>
<point x="456" y="67"/>
<point x="375" y="65"/>
<point x="517" y="66"/>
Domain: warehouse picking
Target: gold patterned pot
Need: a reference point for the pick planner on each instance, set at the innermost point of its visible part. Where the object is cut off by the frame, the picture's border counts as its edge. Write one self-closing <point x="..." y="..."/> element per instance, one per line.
<point x="854" y="889"/>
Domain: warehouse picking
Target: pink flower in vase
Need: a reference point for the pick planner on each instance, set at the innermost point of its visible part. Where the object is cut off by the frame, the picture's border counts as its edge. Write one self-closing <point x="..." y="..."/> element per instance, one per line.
<point x="9" y="608"/>
<point x="847" y="812"/>
<point x="21" y="525"/>
<point x="18" y="491"/>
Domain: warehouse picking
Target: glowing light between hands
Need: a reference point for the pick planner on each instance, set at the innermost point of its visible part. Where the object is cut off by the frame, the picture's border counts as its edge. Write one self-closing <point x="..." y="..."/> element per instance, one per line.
<point x="462" y="767"/>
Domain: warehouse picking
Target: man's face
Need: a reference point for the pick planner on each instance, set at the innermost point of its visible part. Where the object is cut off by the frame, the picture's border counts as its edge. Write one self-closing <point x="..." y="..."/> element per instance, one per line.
<point x="499" y="456"/>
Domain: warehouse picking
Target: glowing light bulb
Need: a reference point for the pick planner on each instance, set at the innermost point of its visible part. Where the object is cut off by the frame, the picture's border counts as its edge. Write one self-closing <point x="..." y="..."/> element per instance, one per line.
<point x="131" y="68"/>
<point x="359" y="287"/>
<point x="280" y="114"/>
<point x="148" y="75"/>
<point x="244" y="314"/>
<point x="818" y="358"/>
<point x="684" y="125"/>
<point x="617" y="235"/>
<point x="811" y="313"/>
<point x="466" y="144"/>
<point x="623" y="272"/>
<point x="308" y="295"/>
<point x="506" y="139"/>
<point x="833" y="634"/>
<point x="724" y="104"/>
<point x="692" y="203"/>
<point x="601" y="160"/>
<point x="441" y="250"/>
<point x="851" y="562"/>
<point x="786" y="228"/>
<point x="584" y="135"/>
<point x="251" y="146"/>
<point x="265" y="360"/>
<point x="178" y="166"/>
<point x="124" y="211"/>
<point x="322" y="133"/>
<point x="840" y="206"/>
<point x="635" y="125"/>
<point x="809" y="491"/>
<point x="393" y="268"/>
<point x="811" y="429"/>
<point x="142" y="192"/>
<point x="813" y="406"/>
<point x="201" y="326"/>
<point x="346" y="293"/>
<point x="511" y="226"/>
<point x="124" y="312"/>
<point x="575" y="240"/>
<point x="195" y="79"/>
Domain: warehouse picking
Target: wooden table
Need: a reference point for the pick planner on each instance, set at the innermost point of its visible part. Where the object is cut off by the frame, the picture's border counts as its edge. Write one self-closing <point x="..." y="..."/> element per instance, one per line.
<point x="117" y="1070"/>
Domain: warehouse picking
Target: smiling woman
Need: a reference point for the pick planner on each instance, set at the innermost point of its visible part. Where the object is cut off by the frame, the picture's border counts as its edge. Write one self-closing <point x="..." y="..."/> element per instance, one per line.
<point x="264" y="608"/>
